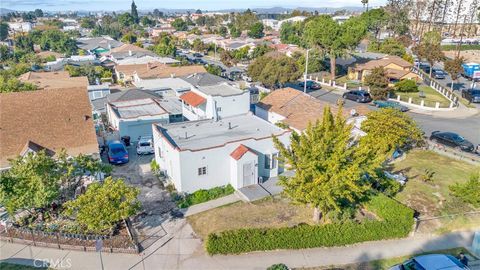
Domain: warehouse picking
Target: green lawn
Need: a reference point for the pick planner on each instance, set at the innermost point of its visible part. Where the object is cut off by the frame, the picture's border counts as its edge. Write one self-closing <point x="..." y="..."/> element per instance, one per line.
<point x="387" y="263"/>
<point x="431" y="97"/>
<point x="11" y="266"/>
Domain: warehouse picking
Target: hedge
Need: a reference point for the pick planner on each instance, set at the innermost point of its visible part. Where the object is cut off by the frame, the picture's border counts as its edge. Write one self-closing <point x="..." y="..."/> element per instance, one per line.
<point x="395" y="221"/>
<point x="464" y="47"/>
<point x="204" y="195"/>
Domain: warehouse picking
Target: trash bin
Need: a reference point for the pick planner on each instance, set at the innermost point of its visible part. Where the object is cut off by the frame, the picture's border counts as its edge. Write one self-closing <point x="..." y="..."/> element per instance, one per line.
<point x="126" y="140"/>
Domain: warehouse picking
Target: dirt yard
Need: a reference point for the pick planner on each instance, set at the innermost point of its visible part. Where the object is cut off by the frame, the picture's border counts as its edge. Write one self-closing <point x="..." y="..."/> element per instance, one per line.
<point x="269" y="212"/>
<point x="470" y="56"/>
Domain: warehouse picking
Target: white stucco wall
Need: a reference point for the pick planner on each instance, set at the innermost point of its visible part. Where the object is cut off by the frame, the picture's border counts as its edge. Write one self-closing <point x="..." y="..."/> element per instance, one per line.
<point x="182" y="166"/>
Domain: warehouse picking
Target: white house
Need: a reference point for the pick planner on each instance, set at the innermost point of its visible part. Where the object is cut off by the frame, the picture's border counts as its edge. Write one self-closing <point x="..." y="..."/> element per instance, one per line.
<point x="290" y="20"/>
<point x="272" y="23"/>
<point x="203" y="154"/>
<point x="134" y="118"/>
<point x="20" y="26"/>
<point x="215" y="102"/>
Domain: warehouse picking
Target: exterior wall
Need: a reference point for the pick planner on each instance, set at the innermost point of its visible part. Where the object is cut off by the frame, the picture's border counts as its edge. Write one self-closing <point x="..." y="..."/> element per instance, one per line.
<point x="394" y="66"/>
<point x="96" y="94"/>
<point x="194" y="113"/>
<point x="236" y="179"/>
<point x="231" y="105"/>
<point x="268" y="116"/>
<point x="182" y="166"/>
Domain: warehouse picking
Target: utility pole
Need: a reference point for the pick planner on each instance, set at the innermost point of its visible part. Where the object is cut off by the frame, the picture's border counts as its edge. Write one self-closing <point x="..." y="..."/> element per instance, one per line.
<point x="215" y="54"/>
<point x="306" y="72"/>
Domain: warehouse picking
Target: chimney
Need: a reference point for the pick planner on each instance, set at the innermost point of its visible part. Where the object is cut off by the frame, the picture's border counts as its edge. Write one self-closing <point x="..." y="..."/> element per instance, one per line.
<point x="229" y="125"/>
<point x="130" y="52"/>
<point x="186" y="135"/>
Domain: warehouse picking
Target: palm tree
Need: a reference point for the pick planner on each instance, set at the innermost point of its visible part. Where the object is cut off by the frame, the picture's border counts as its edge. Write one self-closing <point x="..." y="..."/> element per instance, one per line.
<point x="365" y="2"/>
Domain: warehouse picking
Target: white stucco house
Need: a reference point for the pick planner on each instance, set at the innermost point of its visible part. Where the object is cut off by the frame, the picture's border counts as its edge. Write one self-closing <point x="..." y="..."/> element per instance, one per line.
<point x="134" y="118"/>
<point x="214" y="101"/>
<point x="203" y="154"/>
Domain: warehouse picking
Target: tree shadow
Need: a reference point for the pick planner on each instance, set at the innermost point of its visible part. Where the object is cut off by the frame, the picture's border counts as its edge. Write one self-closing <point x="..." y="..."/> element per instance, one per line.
<point x="19" y="262"/>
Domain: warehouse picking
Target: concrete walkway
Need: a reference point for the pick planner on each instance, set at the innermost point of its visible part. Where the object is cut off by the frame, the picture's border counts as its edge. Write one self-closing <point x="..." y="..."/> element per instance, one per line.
<point x="184" y="251"/>
<point x="201" y="207"/>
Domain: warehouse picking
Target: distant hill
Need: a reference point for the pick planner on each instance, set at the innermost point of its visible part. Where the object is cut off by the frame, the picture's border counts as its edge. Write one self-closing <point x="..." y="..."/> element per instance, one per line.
<point x="4" y="11"/>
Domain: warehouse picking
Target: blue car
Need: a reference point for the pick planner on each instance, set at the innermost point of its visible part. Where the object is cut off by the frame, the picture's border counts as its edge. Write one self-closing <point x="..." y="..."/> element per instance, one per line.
<point x="390" y="104"/>
<point x="117" y="153"/>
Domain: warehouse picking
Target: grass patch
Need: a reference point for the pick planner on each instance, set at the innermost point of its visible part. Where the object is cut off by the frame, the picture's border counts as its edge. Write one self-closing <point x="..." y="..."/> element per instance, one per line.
<point x="340" y="81"/>
<point x="431" y="97"/>
<point x="12" y="266"/>
<point x="271" y="212"/>
<point x="395" y="221"/>
<point x="205" y="195"/>
<point x="386" y="263"/>
<point x="464" y="47"/>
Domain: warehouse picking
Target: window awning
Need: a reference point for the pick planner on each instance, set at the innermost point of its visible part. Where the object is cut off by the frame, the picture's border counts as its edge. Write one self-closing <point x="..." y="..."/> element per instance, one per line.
<point x="192" y="99"/>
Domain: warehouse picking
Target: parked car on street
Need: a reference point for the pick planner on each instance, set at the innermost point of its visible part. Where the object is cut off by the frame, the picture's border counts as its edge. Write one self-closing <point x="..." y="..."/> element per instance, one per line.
<point x="390" y="104"/>
<point x="145" y="145"/>
<point x="310" y="85"/>
<point x="431" y="262"/>
<point x="472" y="95"/>
<point x="425" y="67"/>
<point x="453" y="140"/>
<point x="358" y="96"/>
<point x="399" y="177"/>
<point x="117" y="153"/>
<point x="438" y="74"/>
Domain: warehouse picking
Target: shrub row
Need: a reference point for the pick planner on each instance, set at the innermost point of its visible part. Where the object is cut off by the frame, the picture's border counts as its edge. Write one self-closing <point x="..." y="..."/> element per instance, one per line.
<point x="395" y="221"/>
<point x="464" y="47"/>
<point x="204" y="195"/>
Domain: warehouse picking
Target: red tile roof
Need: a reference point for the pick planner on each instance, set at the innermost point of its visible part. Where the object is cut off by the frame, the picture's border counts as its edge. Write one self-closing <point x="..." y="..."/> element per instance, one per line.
<point x="240" y="151"/>
<point x="192" y="98"/>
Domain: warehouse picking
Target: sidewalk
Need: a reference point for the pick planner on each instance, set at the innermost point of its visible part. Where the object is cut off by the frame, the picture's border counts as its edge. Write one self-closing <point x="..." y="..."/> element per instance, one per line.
<point x="201" y="207"/>
<point x="460" y="113"/>
<point x="183" y="251"/>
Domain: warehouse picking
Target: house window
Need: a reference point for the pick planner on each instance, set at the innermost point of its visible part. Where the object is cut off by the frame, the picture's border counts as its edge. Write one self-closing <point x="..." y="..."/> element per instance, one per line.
<point x="274" y="161"/>
<point x="202" y="171"/>
<point x="219" y="109"/>
<point x="271" y="161"/>
<point x="267" y="161"/>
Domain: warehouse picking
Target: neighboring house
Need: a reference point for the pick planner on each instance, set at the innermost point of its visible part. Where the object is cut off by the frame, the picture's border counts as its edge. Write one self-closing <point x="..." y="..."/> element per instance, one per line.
<point x="54" y="80"/>
<point x="166" y="87"/>
<point x="215" y="102"/>
<point x="146" y="59"/>
<point x="203" y="154"/>
<point x="15" y="27"/>
<point x="52" y="119"/>
<point x="395" y="67"/>
<point x="135" y="73"/>
<point x="129" y="51"/>
<point x="290" y="20"/>
<point x="287" y="49"/>
<point x="272" y="23"/>
<point x="74" y="60"/>
<point x="134" y="118"/>
<point x="203" y="79"/>
<point x="98" y="91"/>
<point x="297" y="109"/>
<point x="162" y="29"/>
<point x="98" y="45"/>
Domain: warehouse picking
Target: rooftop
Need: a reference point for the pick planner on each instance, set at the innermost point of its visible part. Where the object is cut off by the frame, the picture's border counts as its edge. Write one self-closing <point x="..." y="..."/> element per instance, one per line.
<point x="54" y="80"/>
<point x="203" y="79"/>
<point x="205" y="134"/>
<point x="384" y="62"/>
<point x="52" y="119"/>
<point x="158" y="70"/>
<point x="137" y="108"/>
<point x="176" y="84"/>
<point x="223" y="89"/>
<point x="97" y="42"/>
<point x="298" y="108"/>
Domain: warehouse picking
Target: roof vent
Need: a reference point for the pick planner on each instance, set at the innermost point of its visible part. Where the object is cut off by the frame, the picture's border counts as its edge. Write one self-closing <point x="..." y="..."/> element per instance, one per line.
<point x="229" y="125"/>
<point x="130" y="53"/>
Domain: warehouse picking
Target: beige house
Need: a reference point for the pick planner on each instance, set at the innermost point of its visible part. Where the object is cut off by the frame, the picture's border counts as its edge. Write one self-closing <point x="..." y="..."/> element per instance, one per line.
<point x="396" y="68"/>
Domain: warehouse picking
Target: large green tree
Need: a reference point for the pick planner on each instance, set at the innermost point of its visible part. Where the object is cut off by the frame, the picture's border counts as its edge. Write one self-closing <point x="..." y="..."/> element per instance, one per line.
<point x="126" y="20"/>
<point x="103" y="205"/>
<point x="334" y="39"/>
<point x="274" y="71"/>
<point x="378" y="82"/>
<point x="291" y="33"/>
<point x="164" y="45"/>
<point x="3" y="30"/>
<point x="256" y="30"/>
<point x="328" y="168"/>
<point x="179" y="25"/>
<point x="468" y="192"/>
<point x="389" y="129"/>
<point x="134" y="12"/>
<point x="375" y="20"/>
<point x="454" y="68"/>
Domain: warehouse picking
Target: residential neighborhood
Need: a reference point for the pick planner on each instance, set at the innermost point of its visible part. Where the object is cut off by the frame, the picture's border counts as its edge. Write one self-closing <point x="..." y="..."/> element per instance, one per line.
<point x="240" y="135"/>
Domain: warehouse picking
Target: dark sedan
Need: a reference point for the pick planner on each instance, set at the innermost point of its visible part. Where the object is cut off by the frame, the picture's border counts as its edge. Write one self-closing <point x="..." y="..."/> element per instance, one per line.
<point x="472" y="95"/>
<point x="358" y="96"/>
<point x="117" y="153"/>
<point x="310" y="85"/>
<point x="438" y="74"/>
<point x="453" y="140"/>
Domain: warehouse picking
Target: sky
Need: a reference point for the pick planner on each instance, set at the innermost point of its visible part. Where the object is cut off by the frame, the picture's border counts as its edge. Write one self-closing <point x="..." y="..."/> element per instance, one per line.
<point x="111" y="5"/>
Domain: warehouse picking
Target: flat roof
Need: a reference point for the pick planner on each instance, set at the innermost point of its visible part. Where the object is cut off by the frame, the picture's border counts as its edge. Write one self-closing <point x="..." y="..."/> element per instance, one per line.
<point x="137" y="108"/>
<point x="223" y="89"/>
<point x="205" y="134"/>
<point x="176" y="84"/>
<point x="171" y="105"/>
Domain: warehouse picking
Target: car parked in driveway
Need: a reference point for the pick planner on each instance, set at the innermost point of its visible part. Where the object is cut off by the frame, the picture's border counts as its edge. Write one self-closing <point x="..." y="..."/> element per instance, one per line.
<point x="360" y="96"/>
<point x="431" y="262"/>
<point x="453" y="140"/>
<point x="390" y="104"/>
<point x="145" y="145"/>
<point x="472" y="95"/>
<point x="117" y="153"/>
<point x="310" y="85"/>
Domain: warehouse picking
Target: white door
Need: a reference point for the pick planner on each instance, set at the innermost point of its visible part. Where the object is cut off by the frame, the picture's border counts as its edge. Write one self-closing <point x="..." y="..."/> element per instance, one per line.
<point x="248" y="174"/>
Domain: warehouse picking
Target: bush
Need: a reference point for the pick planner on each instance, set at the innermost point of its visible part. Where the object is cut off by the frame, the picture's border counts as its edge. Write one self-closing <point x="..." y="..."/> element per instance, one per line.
<point x="279" y="266"/>
<point x="204" y="195"/>
<point x="396" y="221"/>
<point x="468" y="192"/>
<point x="406" y="86"/>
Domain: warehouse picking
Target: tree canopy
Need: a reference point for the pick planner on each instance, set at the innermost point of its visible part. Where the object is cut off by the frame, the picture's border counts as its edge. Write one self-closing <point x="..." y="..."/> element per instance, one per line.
<point x="454" y="68"/>
<point x="291" y="33"/>
<point x="256" y="30"/>
<point x="274" y="71"/>
<point x="328" y="168"/>
<point x="179" y="25"/>
<point x="378" y="82"/>
<point x="103" y="205"/>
